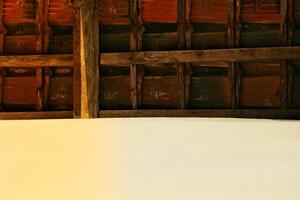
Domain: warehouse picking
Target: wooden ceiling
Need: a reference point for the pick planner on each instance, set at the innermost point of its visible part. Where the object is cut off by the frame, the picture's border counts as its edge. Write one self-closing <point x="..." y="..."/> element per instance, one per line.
<point x="149" y="58"/>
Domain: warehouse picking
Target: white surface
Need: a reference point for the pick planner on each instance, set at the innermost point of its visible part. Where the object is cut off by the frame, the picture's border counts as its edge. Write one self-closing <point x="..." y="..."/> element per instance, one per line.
<point x="150" y="159"/>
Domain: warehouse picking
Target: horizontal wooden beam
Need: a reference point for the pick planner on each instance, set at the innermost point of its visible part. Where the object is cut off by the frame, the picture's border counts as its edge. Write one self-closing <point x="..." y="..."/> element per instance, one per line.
<point x="65" y="60"/>
<point x="159" y="57"/>
<point x="36" y="115"/>
<point x="194" y="56"/>
<point x="255" y="113"/>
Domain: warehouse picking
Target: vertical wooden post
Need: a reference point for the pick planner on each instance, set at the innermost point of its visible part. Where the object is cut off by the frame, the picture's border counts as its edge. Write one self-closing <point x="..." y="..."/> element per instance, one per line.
<point x="86" y="59"/>
<point x="46" y="41"/>
<point x="290" y="70"/>
<point x="188" y="38"/>
<point x="231" y="44"/>
<point x="136" y="39"/>
<point x="2" y="70"/>
<point x="181" y="4"/>
<point x="39" y="49"/>
<point x="237" y="69"/>
<point x="284" y="64"/>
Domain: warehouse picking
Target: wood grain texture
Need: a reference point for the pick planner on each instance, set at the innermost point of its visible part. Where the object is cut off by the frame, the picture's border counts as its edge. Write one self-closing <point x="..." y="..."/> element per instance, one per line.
<point x="61" y="93"/>
<point x="295" y="101"/>
<point x="19" y="91"/>
<point x="35" y="115"/>
<point x="160" y="92"/>
<point x="210" y="92"/>
<point x="238" y="113"/>
<point x="160" y="11"/>
<point x="263" y="91"/>
<point x="37" y="60"/>
<point x="209" y="11"/>
<point x="115" y="92"/>
<point x="171" y="54"/>
<point x="192" y="56"/>
<point x="86" y="58"/>
<point x="260" y="11"/>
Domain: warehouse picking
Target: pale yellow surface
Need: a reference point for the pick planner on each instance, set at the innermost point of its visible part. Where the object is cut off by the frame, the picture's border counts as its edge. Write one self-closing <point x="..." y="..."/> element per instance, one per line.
<point x="150" y="159"/>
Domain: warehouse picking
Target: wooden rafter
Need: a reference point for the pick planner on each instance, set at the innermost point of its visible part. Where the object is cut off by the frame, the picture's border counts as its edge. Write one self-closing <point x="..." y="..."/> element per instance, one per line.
<point x="63" y="60"/>
<point x="136" y="39"/>
<point x="86" y="59"/>
<point x="181" y="18"/>
<point x="2" y="71"/>
<point x="238" y="113"/>
<point x="196" y="56"/>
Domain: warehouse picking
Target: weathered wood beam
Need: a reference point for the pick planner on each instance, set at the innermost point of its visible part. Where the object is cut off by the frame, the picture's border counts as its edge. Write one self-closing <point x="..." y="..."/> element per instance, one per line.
<point x="194" y="56"/>
<point x="181" y="31"/>
<point x="63" y="60"/>
<point x="188" y="38"/>
<point x="231" y="44"/>
<point x="255" y="113"/>
<point x="136" y="39"/>
<point x="36" y="115"/>
<point x="47" y="31"/>
<point x="2" y="29"/>
<point x="2" y="35"/>
<point x="237" y="69"/>
<point x="237" y="25"/>
<point x="284" y="41"/>
<point x="39" y="49"/>
<point x="2" y="75"/>
<point x="159" y="57"/>
<point x="86" y="58"/>
<point x="290" y="70"/>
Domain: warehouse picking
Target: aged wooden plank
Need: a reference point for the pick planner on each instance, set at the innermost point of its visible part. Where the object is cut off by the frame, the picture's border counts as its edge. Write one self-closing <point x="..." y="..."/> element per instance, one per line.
<point x="37" y="60"/>
<point x="86" y="58"/>
<point x="295" y="95"/>
<point x="39" y="50"/>
<point x="114" y="12"/>
<point x="19" y="91"/>
<point x="2" y="28"/>
<point x="255" y="113"/>
<point x="193" y="56"/>
<point x="210" y="92"/>
<point x="160" y="91"/>
<point x="188" y="38"/>
<point x="35" y="115"/>
<point x="160" y="11"/>
<point x="181" y="31"/>
<point x="115" y="92"/>
<point x="284" y="41"/>
<point x="46" y="44"/>
<point x="2" y="36"/>
<point x="136" y="39"/>
<point x="209" y="11"/>
<point x="2" y="75"/>
<point x="231" y="44"/>
<point x="290" y="35"/>
<point x="60" y="92"/>
<point x="262" y="91"/>
<point x="264" y="12"/>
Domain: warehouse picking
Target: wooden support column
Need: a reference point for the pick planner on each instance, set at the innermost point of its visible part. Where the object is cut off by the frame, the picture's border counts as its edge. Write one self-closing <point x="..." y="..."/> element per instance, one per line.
<point x="46" y="41"/>
<point x="284" y="63"/>
<point x="136" y="39"/>
<point x="86" y="59"/>
<point x="2" y="36"/>
<point x="290" y="69"/>
<point x="39" y="49"/>
<point x="188" y="38"/>
<point x="181" y="4"/>
<point x="237" y="70"/>
<point x="2" y="75"/>
<point x="231" y="44"/>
